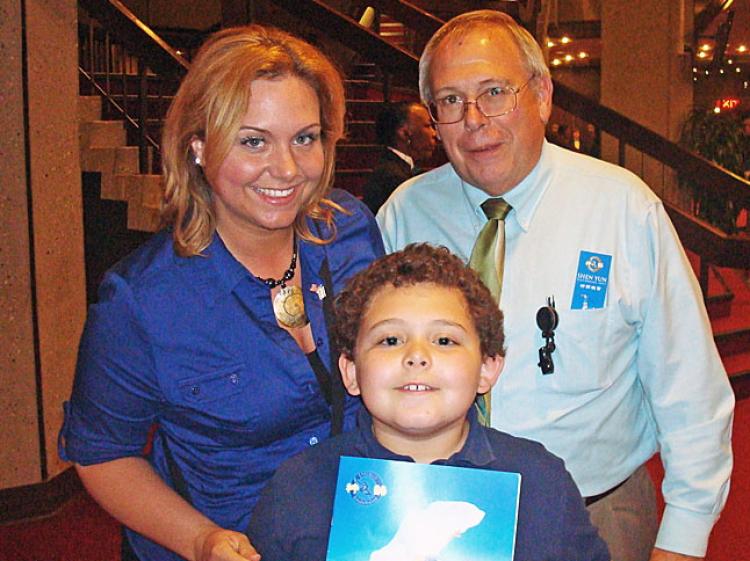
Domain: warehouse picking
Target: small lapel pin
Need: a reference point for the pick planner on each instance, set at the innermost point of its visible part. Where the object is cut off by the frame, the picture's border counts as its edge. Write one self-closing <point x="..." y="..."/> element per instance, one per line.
<point x="318" y="289"/>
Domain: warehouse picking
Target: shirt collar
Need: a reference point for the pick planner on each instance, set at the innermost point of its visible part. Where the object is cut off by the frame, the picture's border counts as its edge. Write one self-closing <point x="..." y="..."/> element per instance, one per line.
<point x="229" y="271"/>
<point x="524" y="197"/>
<point x="476" y="451"/>
<point x="215" y="272"/>
<point x="408" y="159"/>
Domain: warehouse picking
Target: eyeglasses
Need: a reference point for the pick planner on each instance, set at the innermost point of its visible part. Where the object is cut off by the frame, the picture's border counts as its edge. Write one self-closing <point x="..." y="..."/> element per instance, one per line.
<point x="493" y="102"/>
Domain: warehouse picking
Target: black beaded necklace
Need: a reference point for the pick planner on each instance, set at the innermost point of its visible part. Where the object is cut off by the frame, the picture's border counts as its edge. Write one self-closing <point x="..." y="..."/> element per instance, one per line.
<point x="288" y="275"/>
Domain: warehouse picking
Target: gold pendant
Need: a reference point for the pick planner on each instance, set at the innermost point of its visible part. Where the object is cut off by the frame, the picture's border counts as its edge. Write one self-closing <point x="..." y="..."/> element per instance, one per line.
<point x="289" y="307"/>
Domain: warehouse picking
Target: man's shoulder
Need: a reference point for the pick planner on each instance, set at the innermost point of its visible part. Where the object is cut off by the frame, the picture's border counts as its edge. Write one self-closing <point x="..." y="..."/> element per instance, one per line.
<point x="438" y="182"/>
<point x="584" y="171"/>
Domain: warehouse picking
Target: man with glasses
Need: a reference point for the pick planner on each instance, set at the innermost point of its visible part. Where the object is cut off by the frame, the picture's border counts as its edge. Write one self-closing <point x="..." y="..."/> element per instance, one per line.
<point x="610" y="354"/>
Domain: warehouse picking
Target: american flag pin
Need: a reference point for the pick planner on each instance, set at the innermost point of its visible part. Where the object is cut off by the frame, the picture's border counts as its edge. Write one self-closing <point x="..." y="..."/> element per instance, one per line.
<point x="318" y="289"/>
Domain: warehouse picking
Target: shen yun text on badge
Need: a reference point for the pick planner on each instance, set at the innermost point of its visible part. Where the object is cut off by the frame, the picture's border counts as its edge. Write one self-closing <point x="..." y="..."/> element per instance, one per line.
<point x="592" y="279"/>
<point x="387" y="510"/>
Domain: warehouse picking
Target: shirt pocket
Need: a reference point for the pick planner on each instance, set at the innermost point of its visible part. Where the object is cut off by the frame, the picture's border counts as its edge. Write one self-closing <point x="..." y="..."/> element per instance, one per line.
<point x="590" y="346"/>
<point x="223" y="403"/>
<point x="207" y="388"/>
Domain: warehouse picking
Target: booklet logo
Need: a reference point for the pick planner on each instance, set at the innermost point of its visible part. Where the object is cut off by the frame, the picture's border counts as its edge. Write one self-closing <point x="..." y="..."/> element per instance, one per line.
<point x="366" y="488"/>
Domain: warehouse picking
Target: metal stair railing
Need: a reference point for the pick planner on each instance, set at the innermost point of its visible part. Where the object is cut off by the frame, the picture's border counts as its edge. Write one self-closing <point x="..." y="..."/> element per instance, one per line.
<point x="113" y="47"/>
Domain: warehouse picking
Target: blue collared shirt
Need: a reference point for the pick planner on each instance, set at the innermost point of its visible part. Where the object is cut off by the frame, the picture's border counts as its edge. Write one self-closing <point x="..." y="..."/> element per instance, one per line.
<point x="638" y="375"/>
<point x="192" y="345"/>
<point x="293" y="517"/>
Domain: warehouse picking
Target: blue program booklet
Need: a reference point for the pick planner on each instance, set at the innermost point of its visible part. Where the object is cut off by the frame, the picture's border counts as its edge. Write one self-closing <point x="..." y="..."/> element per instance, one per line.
<point x="387" y="510"/>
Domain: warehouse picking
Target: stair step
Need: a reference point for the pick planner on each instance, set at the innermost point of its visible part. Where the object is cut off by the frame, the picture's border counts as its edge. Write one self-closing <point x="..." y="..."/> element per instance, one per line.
<point x="157" y="106"/>
<point x="360" y="132"/>
<point x="736" y="341"/>
<point x="352" y="180"/>
<point x="89" y="108"/>
<point x="101" y="134"/>
<point x="144" y="189"/>
<point x="357" y="156"/>
<point x="741" y="386"/>
<point x="363" y="89"/>
<point x="143" y="193"/>
<point x="110" y="162"/>
<point x="738" y="370"/>
<point x="719" y="305"/>
<point x="130" y="83"/>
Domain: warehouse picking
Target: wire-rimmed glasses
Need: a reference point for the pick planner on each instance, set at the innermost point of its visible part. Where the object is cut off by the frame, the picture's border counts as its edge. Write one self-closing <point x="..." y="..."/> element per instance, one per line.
<point x="493" y="102"/>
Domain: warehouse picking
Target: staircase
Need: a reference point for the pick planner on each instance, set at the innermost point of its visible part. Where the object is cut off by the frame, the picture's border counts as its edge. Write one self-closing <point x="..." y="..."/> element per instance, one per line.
<point x="728" y="305"/>
<point x="104" y="150"/>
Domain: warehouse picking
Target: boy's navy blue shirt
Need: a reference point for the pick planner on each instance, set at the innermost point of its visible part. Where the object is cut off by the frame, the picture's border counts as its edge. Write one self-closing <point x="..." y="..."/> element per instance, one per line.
<point x="292" y="519"/>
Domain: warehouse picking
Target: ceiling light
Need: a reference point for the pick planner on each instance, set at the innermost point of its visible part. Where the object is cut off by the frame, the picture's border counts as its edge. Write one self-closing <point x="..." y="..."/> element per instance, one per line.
<point x="550" y="43"/>
<point x="702" y="54"/>
<point x="565" y="39"/>
<point x="568" y="58"/>
<point x="556" y="62"/>
<point x="583" y="54"/>
<point x="741" y="49"/>
<point x="705" y="47"/>
<point x="737" y="69"/>
<point x="717" y="110"/>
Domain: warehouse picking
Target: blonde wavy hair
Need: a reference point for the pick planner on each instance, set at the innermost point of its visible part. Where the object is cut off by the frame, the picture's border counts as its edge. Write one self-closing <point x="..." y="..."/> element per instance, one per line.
<point x="209" y="105"/>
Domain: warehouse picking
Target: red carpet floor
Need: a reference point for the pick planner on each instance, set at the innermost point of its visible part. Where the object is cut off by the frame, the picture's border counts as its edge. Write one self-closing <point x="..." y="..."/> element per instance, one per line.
<point x="81" y="531"/>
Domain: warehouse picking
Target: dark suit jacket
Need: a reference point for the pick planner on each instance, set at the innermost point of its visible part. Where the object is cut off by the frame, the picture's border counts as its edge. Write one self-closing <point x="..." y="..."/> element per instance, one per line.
<point x="390" y="172"/>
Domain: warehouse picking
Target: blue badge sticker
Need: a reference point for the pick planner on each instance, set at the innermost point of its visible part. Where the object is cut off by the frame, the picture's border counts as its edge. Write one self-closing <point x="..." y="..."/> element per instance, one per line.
<point x="592" y="279"/>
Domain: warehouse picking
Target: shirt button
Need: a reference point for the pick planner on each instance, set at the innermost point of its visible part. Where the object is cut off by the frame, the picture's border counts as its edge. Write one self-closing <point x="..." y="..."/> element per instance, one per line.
<point x="234" y="378"/>
<point x="313" y="440"/>
<point x="195" y="390"/>
<point x="319" y="341"/>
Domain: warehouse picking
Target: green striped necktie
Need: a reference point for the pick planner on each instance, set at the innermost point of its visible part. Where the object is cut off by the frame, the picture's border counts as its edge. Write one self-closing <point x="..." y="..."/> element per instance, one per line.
<point x="487" y="259"/>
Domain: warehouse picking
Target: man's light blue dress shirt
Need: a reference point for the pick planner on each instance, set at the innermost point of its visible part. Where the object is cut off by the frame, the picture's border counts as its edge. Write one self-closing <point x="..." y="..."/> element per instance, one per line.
<point x="639" y="374"/>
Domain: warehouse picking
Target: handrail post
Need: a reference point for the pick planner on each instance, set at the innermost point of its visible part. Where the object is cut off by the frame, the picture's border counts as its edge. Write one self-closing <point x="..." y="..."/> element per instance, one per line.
<point x="386" y="86"/>
<point x="142" y="117"/>
<point x="703" y="276"/>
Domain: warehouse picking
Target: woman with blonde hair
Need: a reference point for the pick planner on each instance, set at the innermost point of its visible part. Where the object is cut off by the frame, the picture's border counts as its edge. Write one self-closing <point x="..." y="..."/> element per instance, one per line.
<point x="213" y="336"/>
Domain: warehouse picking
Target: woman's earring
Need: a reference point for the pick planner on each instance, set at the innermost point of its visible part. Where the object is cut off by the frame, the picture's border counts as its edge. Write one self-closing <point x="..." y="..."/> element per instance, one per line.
<point x="198" y="161"/>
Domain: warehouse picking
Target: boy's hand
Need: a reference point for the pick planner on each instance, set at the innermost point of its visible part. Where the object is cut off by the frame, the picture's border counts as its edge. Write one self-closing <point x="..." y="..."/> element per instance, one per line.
<point x="218" y="544"/>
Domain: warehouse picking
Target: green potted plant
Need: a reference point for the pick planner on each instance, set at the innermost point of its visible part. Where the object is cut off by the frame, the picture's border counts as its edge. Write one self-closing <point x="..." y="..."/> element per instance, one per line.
<point x="719" y="138"/>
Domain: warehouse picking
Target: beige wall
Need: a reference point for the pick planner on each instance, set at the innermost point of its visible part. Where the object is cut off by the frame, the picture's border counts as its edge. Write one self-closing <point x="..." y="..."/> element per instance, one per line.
<point x="44" y="141"/>
<point x="19" y="461"/>
<point x="647" y="76"/>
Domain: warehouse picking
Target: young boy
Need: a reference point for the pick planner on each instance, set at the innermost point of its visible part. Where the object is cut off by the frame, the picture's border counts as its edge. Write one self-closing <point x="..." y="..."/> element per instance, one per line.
<point x="420" y="337"/>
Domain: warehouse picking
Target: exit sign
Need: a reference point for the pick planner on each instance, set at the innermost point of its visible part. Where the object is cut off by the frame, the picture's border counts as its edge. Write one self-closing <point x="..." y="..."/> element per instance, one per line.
<point x="727" y="103"/>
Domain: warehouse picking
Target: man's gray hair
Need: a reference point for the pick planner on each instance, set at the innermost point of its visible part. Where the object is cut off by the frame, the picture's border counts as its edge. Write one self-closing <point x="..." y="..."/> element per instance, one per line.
<point x="463" y="24"/>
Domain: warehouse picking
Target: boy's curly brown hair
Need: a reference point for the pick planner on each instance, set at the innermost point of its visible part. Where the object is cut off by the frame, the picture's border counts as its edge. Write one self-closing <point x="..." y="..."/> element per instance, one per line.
<point x="417" y="264"/>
